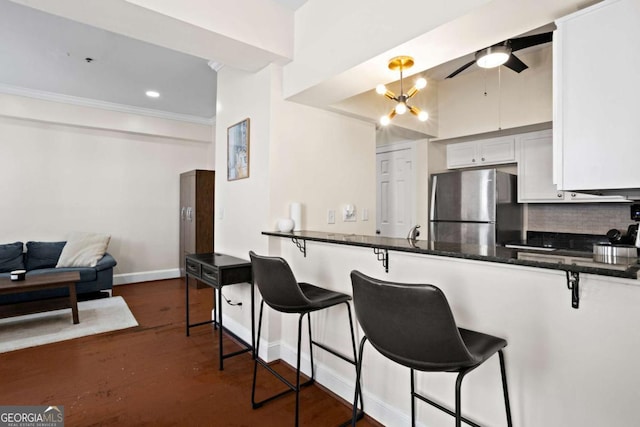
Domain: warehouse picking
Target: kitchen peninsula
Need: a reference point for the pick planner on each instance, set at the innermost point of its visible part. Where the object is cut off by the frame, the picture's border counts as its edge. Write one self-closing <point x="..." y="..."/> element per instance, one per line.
<point x="559" y="360"/>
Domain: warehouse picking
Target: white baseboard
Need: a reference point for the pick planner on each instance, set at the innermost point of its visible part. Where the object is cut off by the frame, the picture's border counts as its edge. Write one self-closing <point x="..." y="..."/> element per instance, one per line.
<point x="145" y="276"/>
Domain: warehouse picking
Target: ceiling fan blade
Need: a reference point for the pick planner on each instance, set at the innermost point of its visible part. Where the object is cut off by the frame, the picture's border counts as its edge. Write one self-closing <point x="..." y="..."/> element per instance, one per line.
<point x="528" y="41"/>
<point x="461" y="69"/>
<point x="515" y="64"/>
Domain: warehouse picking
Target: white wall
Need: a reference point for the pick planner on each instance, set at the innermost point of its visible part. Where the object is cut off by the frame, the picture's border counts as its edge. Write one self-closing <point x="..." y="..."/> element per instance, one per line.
<point x="242" y="206"/>
<point x="323" y="160"/>
<point x="297" y="153"/>
<point x="57" y="178"/>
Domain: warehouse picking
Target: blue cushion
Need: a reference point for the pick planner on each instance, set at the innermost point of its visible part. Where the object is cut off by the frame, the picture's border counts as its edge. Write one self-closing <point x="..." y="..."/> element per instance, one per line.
<point x="11" y="257"/>
<point x="43" y="254"/>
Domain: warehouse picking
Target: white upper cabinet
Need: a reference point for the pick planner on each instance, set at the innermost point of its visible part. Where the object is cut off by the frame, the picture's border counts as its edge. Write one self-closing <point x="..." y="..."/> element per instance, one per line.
<point x="596" y="98"/>
<point x="484" y="152"/>
<point x="535" y="183"/>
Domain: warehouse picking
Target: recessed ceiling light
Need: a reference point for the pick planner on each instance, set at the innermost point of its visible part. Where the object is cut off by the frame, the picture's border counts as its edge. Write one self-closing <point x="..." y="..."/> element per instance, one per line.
<point x="152" y="94"/>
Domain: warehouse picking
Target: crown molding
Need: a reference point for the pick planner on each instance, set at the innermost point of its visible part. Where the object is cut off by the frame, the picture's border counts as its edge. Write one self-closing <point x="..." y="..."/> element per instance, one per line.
<point x="104" y="105"/>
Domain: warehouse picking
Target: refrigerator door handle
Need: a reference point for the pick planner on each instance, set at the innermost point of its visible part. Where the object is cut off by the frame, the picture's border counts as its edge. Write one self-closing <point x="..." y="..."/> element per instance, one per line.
<point x="432" y="208"/>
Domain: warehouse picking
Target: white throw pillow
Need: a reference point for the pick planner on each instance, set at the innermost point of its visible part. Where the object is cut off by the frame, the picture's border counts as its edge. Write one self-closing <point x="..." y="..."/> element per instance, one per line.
<point x="83" y="250"/>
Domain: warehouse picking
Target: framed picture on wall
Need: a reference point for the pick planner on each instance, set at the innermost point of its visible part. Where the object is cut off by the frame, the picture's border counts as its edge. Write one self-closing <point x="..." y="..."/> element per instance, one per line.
<point x="238" y="151"/>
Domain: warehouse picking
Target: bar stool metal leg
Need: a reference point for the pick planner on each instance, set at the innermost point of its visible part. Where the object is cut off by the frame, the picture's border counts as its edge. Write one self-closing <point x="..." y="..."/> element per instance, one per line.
<point x="355" y="416"/>
<point x="504" y="388"/>
<point x="413" y="399"/>
<point x="313" y="369"/>
<point x="298" y="368"/>
<point x="360" y="413"/>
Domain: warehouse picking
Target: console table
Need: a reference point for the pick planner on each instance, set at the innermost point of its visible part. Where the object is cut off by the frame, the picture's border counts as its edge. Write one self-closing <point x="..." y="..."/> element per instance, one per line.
<point x="219" y="270"/>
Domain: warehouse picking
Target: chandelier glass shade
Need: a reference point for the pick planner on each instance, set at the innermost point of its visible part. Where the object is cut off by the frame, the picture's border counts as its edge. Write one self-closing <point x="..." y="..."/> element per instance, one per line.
<point x="401" y="63"/>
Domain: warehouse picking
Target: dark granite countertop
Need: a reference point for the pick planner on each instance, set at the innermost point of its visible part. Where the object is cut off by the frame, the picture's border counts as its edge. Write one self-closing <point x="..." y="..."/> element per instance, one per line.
<point x="566" y="260"/>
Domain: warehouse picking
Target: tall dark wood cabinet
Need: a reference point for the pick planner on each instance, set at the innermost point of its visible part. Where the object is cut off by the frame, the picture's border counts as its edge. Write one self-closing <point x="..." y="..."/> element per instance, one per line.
<point x="196" y="213"/>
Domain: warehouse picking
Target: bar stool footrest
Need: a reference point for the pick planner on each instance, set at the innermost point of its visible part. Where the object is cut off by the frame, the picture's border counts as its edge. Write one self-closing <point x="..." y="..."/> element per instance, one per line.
<point x="286" y="382"/>
<point x="445" y="409"/>
<point x="334" y="352"/>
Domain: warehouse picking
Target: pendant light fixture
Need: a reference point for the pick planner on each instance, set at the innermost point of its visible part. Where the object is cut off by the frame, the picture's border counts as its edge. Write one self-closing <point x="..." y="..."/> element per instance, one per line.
<point x="402" y="63"/>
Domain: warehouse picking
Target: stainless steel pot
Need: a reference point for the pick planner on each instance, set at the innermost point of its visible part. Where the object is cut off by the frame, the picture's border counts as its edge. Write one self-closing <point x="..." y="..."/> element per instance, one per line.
<point x="615" y="254"/>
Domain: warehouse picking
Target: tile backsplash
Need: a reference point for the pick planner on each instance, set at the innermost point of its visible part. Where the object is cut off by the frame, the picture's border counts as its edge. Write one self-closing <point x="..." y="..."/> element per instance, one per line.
<point x="589" y="218"/>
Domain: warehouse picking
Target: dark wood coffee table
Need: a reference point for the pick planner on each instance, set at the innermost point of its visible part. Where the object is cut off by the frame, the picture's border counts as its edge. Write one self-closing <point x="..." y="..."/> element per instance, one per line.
<point x="65" y="279"/>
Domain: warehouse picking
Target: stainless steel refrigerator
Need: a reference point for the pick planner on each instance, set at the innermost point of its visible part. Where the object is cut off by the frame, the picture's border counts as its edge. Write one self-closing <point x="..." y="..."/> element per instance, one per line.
<point x="474" y="206"/>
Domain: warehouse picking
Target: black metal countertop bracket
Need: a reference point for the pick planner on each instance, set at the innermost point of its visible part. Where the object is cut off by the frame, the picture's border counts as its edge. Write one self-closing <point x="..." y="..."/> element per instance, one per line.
<point x="573" y="283"/>
<point x="301" y="246"/>
<point x="383" y="256"/>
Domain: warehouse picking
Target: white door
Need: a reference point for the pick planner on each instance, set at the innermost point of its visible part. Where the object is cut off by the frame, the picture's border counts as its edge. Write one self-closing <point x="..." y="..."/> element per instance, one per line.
<point x="395" y="190"/>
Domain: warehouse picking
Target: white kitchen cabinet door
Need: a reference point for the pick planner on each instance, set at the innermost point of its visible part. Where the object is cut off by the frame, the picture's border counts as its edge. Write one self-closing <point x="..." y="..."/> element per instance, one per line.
<point x="462" y="155"/>
<point x="497" y="150"/>
<point x="596" y="91"/>
<point x="484" y="152"/>
<point x="535" y="183"/>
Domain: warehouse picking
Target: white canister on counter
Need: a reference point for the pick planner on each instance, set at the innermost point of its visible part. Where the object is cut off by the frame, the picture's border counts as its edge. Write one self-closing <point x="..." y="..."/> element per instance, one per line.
<point x="295" y="211"/>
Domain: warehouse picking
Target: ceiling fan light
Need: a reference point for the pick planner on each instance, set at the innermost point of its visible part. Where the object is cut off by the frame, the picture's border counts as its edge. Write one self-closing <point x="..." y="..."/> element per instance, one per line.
<point x="401" y="108"/>
<point x="492" y="60"/>
<point x="381" y="89"/>
<point x="493" y="56"/>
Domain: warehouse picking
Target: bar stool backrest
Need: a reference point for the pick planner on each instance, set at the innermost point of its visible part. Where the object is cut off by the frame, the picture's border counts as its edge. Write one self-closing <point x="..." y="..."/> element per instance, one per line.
<point x="411" y="324"/>
<point x="277" y="284"/>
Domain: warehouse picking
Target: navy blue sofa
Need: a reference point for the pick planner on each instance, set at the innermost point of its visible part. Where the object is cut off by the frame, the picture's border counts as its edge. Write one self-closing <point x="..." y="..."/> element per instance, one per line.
<point x="41" y="258"/>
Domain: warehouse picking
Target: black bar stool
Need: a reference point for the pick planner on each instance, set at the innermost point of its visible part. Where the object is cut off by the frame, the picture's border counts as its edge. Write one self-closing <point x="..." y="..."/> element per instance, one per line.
<point x="413" y="326"/>
<point x="281" y="291"/>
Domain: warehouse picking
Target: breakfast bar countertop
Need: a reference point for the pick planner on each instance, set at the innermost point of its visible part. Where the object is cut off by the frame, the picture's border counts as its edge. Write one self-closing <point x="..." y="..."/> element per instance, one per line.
<point x="565" y="260"/>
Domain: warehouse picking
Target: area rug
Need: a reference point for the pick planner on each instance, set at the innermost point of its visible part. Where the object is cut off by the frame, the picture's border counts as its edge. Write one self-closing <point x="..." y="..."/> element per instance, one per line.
<point x="96" y="316"/>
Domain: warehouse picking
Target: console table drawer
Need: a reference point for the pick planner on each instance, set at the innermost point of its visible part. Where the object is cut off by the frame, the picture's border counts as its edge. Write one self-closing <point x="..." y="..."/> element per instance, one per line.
<point x="193" y="268"/>
<point x="210" y="275"/>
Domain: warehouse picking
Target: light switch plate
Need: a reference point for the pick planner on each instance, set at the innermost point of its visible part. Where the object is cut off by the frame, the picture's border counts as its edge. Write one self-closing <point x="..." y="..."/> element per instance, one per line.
<point x="365" y="214"/>
<point x="331" y="216"/>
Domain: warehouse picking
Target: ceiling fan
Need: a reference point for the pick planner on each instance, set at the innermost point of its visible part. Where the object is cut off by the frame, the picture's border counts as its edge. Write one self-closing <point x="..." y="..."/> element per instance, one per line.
<point x="502" y="53"/>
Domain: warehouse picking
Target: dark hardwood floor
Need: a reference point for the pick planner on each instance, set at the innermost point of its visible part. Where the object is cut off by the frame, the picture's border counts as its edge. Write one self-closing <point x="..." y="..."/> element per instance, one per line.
<point x="154" y="375"/>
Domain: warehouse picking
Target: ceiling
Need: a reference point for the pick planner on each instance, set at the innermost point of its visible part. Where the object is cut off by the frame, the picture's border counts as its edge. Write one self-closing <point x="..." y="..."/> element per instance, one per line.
<point x="50" y="56"/>
<point x="47" y="54"/>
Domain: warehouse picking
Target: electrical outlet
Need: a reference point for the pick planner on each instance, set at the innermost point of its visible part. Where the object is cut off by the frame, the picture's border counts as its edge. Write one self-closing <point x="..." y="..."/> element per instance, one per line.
<point x="349" y="213"/>
<point x="220" y="213"/>
<point x="331" y="216"/>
